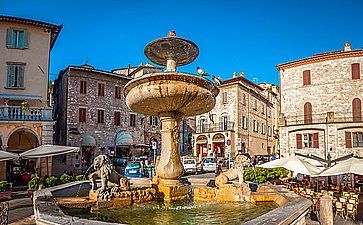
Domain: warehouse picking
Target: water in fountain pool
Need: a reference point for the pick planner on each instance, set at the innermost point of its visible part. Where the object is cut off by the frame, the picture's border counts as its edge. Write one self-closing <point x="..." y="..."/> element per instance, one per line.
<point x="184" y="213"/>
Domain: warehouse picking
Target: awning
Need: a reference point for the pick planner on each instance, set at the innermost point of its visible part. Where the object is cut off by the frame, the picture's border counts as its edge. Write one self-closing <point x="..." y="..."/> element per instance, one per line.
<point x="4" y="156"/>
<point x="88" y="140"/>
<point x="48" y="150"/>
<point x="123" y="138"/>
<point x="352" y="165"/>
<point x="141" y="146"/>
<point x="294" y="163"/>
<point x="20" y="97"/>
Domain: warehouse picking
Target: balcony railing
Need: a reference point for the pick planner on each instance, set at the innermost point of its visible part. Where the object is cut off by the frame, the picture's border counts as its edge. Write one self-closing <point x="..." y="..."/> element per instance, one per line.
<point x="215" y="127"/>
<point x="320" y="118"/>
<point x="16" y="113"/>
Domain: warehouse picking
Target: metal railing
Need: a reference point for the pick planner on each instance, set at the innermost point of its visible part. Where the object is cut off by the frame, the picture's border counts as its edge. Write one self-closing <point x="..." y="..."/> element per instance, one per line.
<point x="320" y="118"/>
<point x="215" y="127"/>
<point x="17" y="113"/>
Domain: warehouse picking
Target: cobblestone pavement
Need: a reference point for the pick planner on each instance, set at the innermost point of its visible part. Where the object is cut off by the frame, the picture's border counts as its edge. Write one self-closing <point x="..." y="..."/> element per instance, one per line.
<point x="21" y="212"/>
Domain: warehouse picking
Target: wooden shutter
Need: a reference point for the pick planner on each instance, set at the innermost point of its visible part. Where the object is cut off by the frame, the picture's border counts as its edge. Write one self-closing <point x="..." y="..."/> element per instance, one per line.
<point x="355" y="71"/>
<point x="306" y="77"/>
<point x="117" y="118"/>
<point x="348" y="139"/>
<point x="307" y="113"/>
<point x="316" y="140"/>
<point x="26" y="39"/>
<point x="357" y="110"/>
<point x="9" y="38"/>
<point x="11" y="75"/>
<point x="21" y="76"/>
<point x="298" y="141"/>
<point x="82" y="115"/>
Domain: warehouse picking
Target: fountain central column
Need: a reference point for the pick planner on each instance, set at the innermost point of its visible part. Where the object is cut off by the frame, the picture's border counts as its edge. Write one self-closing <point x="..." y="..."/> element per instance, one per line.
<point x="170" y="168"/>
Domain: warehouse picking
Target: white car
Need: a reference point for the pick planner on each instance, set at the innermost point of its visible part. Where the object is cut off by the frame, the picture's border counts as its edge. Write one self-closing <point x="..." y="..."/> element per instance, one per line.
<point x="190" y="165"/>
<point x="209" y="164"/>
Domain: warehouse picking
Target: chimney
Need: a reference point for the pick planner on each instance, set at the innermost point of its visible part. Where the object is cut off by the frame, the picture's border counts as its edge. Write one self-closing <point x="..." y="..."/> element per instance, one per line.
<point x="242" y="74"/>
<point x="347" y="46"/>
<point x="234" y="75"/>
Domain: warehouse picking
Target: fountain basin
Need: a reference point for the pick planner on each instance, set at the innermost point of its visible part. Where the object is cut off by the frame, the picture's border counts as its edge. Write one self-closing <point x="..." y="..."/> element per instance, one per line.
<point x="186" y="94"/>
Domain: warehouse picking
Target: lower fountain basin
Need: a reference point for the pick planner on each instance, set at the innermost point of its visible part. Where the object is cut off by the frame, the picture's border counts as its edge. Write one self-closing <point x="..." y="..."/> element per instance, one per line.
<point x="182" y="213"/>
<point x="170" y="92"/>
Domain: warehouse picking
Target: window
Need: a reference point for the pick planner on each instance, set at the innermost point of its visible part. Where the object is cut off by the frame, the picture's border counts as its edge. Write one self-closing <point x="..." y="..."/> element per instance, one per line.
<point x="224" y="120"/>
<point x="263" y="128"/>
<point x="269" y="112"/>
<point x="244" y="99"/>
<point x="255" y="104"/>
<point x="202" y="125"/>
<point x="83" y="87"/>
<point x="306" y="77"/>
<point x="348" y="139"/>
<point x="269" y="131"/>
<point x="17" y="38"/>
<point x="307" y="140"/>
<point x="263" y="146"/>
<point x="255" y="126"/>
<point x="153" y="121"/>
<point x="308" y="113"/>
<point x="117" y="92"/>
<point x="244" y="122"/>
<point x="132" y="120"/>
<point x="263" y="109"/>
<point x="15" y="75"/>
<point x="117" y="118"/>
<point x="82" y="115"/>
<point x="357" y="139"/>
<point x="100" y="116"/>
<point x="355" y="71"/>
<point x="357" y="110"/>
<point x="224" y="95"/>
<point x="101" y="89"/>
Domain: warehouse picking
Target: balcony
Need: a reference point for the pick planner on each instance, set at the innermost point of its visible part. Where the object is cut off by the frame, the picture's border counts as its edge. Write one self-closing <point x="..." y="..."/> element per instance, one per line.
<point x="323" y="118"/>
<point x="16" y="113"/>
<point x="215" y="127"/>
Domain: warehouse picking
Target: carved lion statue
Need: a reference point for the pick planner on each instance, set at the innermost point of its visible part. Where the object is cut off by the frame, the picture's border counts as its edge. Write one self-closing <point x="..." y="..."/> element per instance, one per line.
<point x="107" y="173"/>
<point x="236" y="171"/>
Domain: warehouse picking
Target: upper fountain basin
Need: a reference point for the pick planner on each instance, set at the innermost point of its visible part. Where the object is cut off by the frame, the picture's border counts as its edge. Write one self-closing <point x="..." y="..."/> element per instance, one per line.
<point x="154" y="93"/>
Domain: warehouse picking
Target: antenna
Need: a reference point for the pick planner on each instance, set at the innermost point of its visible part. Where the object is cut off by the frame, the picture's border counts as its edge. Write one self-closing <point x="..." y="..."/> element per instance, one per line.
<point x="87" y="60"/>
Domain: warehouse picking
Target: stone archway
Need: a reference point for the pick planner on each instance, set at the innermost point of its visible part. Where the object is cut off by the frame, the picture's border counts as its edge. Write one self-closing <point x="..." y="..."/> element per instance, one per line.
<point x="202" y="146"/>
<point x="19" y="171"/>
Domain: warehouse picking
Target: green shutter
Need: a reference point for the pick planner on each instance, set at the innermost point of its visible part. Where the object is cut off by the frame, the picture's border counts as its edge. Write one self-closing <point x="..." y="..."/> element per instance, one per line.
<point x="26" y="39"/>
<point x="11" y="75"/>
<point x="9" y="38"/>
<point x="21" y="76"/>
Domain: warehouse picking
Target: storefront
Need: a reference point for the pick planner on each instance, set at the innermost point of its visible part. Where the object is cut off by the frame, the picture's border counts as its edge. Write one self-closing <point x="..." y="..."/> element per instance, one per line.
<point x="123" y="143"/>
<point x="88" y="146"/>
<point x="201" y="146"/>
<point x="218" y="142"/>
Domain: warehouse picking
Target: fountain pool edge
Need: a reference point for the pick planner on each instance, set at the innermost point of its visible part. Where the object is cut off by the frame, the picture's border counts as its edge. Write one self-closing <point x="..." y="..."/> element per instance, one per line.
<point x="292" y="209"/>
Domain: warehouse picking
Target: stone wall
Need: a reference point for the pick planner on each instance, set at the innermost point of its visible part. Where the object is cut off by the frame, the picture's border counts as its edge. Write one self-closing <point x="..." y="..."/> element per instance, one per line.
<point x="332" y="90"/>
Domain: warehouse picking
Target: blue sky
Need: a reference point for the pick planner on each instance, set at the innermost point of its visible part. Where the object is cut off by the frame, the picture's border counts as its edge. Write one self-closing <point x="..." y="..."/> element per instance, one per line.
<point x="250" y="36"/>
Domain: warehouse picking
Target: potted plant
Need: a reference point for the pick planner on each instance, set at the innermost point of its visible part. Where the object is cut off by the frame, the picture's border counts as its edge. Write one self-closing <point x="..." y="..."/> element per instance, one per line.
<point x="5" y="193"/>
<point x="51" y="181"/>
<point x="65" y="178"/>
<point x="34" y="184"/>
<point x="79" y="177"/>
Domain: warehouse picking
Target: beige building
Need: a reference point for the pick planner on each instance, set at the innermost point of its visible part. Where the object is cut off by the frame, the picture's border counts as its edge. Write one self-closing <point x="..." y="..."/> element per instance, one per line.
<point x="25" y="116"/>
<point x="244" y="119"/>
<point x="321" y="104"/>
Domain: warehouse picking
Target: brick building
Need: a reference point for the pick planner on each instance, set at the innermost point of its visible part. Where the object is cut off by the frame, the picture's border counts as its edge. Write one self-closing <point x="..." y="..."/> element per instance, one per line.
<point x="25" y="115"/>
<point x="245" y="116"/>
<point x="91" y="112"/>
<point x="321" y="104"/>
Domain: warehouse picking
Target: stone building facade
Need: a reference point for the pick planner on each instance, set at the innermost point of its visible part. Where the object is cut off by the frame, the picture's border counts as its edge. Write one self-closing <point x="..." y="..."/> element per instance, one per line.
<point x="321" y="104"/>
<point x="244" y="119"/>
<point x="25" y="116"/>
<point x="92" y="113"/>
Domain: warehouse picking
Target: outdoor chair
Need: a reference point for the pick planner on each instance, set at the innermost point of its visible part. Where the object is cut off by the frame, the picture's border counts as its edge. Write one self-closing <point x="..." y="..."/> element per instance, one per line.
<point x="339" y="210"/>
<point x="352" y="200"/>
<point x="356" y="196"/>
<point x="351" y="210"/>
<point x="342" y="199"/>
<point x="347" y="195"/>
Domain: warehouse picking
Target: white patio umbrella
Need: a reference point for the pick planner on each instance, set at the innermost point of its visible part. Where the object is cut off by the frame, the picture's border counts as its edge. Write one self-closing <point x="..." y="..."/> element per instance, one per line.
<point x="4" y="156"/>
<point x="48" y="150"/>
<point x="295" y="164"/>
<point x="352" y="165"/>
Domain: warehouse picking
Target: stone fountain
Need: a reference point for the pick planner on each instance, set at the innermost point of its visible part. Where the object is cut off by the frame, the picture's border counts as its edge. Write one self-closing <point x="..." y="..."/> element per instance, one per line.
<point x="171" y="95"/>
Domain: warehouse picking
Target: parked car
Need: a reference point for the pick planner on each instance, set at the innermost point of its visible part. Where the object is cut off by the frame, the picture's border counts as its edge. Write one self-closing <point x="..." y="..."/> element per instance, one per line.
<point x="209" y="164"/>
<point x="133" y="170"/>
<point x="190" y="165"/>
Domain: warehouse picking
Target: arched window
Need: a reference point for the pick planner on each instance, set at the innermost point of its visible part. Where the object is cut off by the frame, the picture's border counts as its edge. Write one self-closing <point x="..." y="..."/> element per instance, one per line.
<point x="308" y="118"/>
<point x="357" y="110"/>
